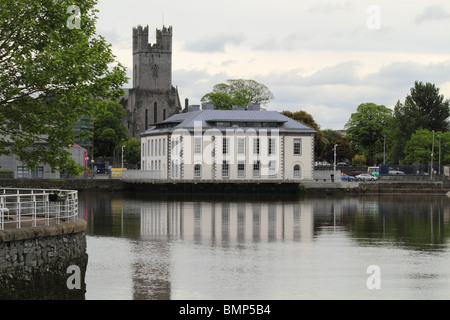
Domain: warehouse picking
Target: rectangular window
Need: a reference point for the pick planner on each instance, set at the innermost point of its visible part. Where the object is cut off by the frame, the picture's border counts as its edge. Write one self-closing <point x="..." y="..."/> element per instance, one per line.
<point x="256" y="146"/>
<point x="225" y="169"/>
<point x="272" y="146"/>
<point x="225" y="145"/>
<point x="197" y="145"/>
<point x="256" y="169"/>
<point x="164" y="147"/>
<point x="152" y="148"/>
<point x="143" y="150"/>
<point x="241" y="169"/>
<point x="298" y="147"/>
<point x="22" y="172"/>
<point x="241" y="146"/>
<point x="272" y="169"/>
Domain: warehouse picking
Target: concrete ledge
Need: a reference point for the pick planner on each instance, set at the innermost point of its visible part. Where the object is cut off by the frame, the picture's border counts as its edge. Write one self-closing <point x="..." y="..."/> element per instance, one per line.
<point x="43" y="231"/>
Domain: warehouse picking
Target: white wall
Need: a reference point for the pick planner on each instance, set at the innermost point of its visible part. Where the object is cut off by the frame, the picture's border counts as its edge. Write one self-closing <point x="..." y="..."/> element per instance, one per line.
<point x="155" y="149"/>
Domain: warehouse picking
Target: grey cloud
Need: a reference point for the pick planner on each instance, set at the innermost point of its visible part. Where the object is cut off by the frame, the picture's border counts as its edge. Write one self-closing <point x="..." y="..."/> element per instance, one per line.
<point x="214" y="43"/>
<point x="432" y="13"/>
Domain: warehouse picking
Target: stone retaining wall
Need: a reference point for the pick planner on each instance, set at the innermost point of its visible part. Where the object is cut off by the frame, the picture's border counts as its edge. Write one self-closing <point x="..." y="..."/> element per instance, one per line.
<point x="34" y="261"/>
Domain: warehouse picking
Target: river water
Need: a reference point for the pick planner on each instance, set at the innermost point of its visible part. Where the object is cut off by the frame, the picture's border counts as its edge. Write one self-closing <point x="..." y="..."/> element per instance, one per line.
<point x="266" y="247"/>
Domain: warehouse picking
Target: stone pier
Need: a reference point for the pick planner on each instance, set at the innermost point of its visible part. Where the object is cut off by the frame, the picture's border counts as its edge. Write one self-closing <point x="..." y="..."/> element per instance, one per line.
<point x="35" y="261"/>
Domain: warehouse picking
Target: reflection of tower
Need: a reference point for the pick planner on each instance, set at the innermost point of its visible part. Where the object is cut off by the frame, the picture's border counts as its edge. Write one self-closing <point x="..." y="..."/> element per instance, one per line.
<point x="152" y="98"/>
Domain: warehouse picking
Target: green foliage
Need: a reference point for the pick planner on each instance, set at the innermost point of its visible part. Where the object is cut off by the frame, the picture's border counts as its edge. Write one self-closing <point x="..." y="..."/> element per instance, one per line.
<point x="423" y="143"/>
<point x="424" y="108"/>
<point x="238" y="92"/>
<point x="132" y="151"/>
<point x="366" y="128"/>
<point x="344" y="151"/>
<point x="109" y="132"/>
<point x="51" y="76"/>
<point x="360" y="160"/>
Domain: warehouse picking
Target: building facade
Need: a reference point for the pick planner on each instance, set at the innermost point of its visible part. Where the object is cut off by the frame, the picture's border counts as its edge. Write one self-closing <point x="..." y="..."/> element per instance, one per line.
<point x="238" y="144"/>
<point x="43" y="171"/>
<point x="152" y="98"/>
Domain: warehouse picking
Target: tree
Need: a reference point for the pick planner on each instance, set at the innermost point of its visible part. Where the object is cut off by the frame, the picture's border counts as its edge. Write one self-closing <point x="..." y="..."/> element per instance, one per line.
<point x="55" y="69"/>
<point x="344" y="151"/>
<point x="420" y="147"/>
<point x="424" y="108"/>
<point x="132" y="151"/>
<point x="109" y="132"/>
<point x="238" y="92"/>
<point x="367" y="127"/>
<point x="320" y="142"/>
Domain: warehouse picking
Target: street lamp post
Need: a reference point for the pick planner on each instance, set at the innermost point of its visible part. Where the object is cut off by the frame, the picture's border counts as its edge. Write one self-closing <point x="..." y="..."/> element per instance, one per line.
<point x="432" y="155"/>
<point x="439" y="154"/>
<point x="123" y="146"/>
<point x="334" y="165"/>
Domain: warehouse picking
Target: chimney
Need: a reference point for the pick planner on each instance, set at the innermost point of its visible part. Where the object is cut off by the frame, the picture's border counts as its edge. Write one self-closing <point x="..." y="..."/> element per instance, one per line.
<point x="193" y="108"/>
<point x="254" y="107"/>
<point x="208" y="106"/>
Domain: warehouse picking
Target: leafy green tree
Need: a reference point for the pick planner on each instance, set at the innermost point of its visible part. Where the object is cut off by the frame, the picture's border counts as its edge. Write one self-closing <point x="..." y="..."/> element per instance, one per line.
<point x="132" y="151"/>
<point x="424" y="108"/>
<point x="109" y="132"/>
<point x="420" y="147"/>
<point x="367" y="127"/>
<point x="55" y="69"/>
<point x="344" y="151"/>
<point x="238" y="92"/>
<point x="320" y="142"/>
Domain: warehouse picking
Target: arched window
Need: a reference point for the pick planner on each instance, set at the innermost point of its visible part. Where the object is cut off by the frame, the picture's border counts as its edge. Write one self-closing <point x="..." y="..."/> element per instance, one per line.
<point x="197" y="171"/>
<point x="297" y="171"/>
<point x="155" y="112"/>
<point x="146" y="119"/>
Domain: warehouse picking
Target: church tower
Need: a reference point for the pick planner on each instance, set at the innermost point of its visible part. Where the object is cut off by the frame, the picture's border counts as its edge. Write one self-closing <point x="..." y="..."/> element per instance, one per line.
<point x="153" y="97"/>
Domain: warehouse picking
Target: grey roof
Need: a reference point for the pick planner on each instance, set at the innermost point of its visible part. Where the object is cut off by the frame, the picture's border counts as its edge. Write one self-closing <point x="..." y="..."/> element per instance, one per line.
<point x="207" y="118"/>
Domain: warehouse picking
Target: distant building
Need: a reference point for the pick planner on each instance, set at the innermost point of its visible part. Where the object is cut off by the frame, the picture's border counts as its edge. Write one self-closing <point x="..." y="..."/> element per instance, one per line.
<point x="238" y="144"/>
<point x="153" y="98"/>
<point x="83" y="125"/>
<point x="42" y="171"/>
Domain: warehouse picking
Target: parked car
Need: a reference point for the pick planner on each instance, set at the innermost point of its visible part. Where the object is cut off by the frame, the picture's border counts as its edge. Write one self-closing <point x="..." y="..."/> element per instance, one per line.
<point x="365" y="177"/>
<point x="342" y="164"/>
<point x="395" y="172"/>
<point x="346" y="177"/>
<point x="322" y="163"/>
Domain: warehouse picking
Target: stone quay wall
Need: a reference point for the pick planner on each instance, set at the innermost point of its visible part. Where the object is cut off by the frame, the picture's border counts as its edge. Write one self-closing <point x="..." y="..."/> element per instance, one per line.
<point x="35" y="261"/>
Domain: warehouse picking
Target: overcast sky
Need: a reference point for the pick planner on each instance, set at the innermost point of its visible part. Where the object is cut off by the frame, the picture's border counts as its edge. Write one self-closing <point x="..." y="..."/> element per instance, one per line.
<point x="324" y="56"/>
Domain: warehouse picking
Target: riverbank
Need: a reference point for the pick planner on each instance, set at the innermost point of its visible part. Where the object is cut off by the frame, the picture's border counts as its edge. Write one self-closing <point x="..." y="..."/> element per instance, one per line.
<point x="306" y="187"/>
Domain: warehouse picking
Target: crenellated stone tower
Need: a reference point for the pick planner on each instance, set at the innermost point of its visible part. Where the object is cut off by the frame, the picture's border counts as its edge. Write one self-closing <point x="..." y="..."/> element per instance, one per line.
<point x="152" y="98"/>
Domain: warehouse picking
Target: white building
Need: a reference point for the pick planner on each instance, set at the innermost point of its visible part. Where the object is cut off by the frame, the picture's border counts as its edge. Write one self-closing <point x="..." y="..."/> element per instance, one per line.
<point x="233" y="144"/>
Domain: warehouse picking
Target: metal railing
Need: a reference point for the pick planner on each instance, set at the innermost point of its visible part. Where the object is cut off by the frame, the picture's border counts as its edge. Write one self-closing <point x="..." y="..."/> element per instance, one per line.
<point x="32" y="207"/>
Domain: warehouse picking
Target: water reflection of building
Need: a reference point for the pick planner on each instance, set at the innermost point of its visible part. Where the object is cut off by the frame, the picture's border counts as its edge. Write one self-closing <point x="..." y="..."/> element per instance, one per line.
<point x="233" y="222"/>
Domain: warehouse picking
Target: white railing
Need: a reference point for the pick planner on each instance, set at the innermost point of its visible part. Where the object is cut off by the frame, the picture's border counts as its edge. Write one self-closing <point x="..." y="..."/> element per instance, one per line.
<point x="32" y="207"/>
